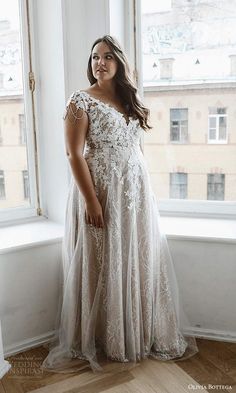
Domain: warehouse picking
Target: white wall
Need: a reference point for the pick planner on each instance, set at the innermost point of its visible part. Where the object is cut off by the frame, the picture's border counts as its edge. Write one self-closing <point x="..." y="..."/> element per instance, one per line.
<point x="206" y="274"/>
<point x="30" y="282"/>
<point x="83" y="23"/>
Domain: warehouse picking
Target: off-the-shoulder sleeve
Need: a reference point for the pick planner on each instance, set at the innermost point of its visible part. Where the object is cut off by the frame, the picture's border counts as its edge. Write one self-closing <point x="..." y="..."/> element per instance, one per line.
<point x="76" y="107"/>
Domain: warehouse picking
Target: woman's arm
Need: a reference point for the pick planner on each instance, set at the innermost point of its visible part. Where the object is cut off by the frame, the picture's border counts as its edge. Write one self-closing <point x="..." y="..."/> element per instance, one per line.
<point x="75" y="134"/>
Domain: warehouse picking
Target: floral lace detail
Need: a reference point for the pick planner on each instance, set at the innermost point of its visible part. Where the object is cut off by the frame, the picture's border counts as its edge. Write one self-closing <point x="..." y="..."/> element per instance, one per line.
<point x="120" y="291"/>
<point x="103" y="119"/>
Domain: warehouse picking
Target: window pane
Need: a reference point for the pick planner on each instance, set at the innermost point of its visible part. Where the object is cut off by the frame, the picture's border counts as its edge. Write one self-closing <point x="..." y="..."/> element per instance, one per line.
<point x="221" y="111"/>
<point x="222" y="128"/>
<point x="174" y="135"/>
<point x="212" y="134"/>
<point x="13" y="149"/>
<point x="178" y="185"/>
<point x="2" y="185"/>
<point x="189" y="71"/>
<point x="25" y="184"/>
<point x="212" y="122"/>
<point x="216" y="187"/>
<point x="184" y="133"/>
<point x="22" y="134"/>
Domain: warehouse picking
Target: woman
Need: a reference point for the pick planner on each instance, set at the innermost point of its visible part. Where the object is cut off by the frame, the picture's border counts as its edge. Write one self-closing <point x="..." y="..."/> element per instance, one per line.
<point x="120" y="295"/>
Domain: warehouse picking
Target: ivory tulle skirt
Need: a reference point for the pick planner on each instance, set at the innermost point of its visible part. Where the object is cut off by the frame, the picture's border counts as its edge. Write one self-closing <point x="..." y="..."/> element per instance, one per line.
<point x="119" y="299"/>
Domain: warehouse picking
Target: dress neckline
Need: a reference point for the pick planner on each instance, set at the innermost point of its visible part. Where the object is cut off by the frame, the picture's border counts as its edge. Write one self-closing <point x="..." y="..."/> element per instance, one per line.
<point x="110" y="106"/>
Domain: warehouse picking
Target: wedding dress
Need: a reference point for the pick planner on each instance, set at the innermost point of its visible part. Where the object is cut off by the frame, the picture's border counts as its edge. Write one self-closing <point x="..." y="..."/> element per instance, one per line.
<point x="119" y="294"/>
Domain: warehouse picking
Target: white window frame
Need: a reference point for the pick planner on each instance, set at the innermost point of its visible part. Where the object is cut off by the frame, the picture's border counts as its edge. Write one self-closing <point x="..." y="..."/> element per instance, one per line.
<point x="217" y="140"/>
<point x="13" y="215"/>
<point x="174" y="207"/>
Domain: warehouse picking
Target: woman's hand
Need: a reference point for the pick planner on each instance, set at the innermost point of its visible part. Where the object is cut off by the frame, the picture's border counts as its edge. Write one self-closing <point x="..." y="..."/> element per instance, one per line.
<point x="94" y="213"/>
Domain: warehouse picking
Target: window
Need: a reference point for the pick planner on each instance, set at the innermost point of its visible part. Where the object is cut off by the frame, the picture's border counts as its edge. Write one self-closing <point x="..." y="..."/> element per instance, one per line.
<point x="178" y="185"/>
<point x="2" y="185"/>
<point x="179" y="125"/>
<point x="217" y="125"/>
<point x="215" y="186"/>
<point x="1" y="80"/>
<point x="1" y="138"/>
<point x="17" y="114"/>
<point x="22" y="137"/>
<point x="188" y="72"/>
<point x="25" y="184"/>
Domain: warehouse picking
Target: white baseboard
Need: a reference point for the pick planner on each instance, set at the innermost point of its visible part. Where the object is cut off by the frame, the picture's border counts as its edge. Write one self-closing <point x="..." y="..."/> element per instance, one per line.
<point x="217" y="335"/>
<point x="209" y="334"/>
<point x="4" y="368"/>
<point x="25" y="345"/>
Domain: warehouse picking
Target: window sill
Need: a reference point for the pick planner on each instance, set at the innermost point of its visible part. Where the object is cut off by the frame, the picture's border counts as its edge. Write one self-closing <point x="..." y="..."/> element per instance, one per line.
<point x="199" y="229"/>
<point x="27" y="235"/>
<point x="32" y="234"/>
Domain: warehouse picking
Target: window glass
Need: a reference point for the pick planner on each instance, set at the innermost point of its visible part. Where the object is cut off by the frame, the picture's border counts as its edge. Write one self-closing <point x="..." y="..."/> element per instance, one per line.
<point x="13" y="141"/>
<point x="215" y="187"/>
<point x="178" y="185"/>
<point x="189" y="74"/>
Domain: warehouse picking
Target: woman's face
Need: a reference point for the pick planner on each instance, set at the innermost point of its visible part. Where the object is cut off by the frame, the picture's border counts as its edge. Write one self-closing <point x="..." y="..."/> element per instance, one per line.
<point x="103" y="62"/>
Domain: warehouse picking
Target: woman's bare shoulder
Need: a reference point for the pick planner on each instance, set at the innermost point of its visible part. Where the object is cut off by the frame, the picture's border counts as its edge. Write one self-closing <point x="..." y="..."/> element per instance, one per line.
<point x="93" y="91"/>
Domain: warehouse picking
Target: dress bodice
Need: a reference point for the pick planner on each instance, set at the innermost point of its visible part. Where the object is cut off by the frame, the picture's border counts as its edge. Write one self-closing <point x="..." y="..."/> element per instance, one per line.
<point x="107" y="126"/>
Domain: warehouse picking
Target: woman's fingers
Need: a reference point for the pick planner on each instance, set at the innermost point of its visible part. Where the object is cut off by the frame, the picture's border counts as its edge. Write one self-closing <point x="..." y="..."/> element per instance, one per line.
<point x="96" y="221"/>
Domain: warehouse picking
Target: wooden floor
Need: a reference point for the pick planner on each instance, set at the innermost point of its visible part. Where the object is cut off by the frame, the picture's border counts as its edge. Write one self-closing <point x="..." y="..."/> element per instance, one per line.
<point x="212" y="369"/>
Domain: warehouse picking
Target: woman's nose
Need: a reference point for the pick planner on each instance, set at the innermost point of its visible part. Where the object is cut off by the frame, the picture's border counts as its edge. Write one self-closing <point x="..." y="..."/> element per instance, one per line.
<point x="101" y="60"/>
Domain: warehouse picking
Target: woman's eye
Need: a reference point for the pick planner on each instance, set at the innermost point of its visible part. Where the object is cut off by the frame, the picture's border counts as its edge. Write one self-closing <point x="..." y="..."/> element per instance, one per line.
<point x="95" y="57"/>
<point x="109" y="57"/>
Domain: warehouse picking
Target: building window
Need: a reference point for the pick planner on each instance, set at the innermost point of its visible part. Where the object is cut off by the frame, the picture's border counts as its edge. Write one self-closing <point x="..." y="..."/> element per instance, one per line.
<point x="22" y="138"/>
<point x="178" y="185"/>
<point x="1" y="138"/>
<point x="179" y="125"/>
<point x="1" y="80"/>
<point x="2" y="185"/>
<point x="217" y="128"/>
<point x="216" y="186"/>
<point x="26" y="184"/>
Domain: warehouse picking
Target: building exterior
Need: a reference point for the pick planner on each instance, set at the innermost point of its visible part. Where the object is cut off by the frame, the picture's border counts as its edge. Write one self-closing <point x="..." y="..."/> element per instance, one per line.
<point x="191" y="150"/>
<point x="14" y="187"/>
<point x="189" y="74"/>
<point x="14" y="183"/>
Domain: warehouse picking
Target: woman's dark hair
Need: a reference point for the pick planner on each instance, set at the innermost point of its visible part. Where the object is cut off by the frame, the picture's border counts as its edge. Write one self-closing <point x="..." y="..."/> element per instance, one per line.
<point x="125" y="88"/>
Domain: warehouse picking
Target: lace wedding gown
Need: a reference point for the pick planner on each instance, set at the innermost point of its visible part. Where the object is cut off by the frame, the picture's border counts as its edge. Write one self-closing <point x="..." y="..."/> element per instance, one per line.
<point x="120" y="294"/>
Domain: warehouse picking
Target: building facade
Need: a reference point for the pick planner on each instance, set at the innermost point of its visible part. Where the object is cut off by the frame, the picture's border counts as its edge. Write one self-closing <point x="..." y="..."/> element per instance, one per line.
<point x="191" y="150"/>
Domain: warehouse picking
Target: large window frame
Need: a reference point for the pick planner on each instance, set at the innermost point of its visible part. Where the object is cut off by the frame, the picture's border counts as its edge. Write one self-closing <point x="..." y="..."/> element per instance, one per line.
<point x="217" y="117"/>
<point x="176" y="207"/>
<point x="13" y="215"/>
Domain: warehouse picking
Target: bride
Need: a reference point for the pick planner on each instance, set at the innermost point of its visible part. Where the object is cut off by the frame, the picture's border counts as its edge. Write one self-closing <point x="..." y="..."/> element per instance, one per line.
<point x="120" y="297"/>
